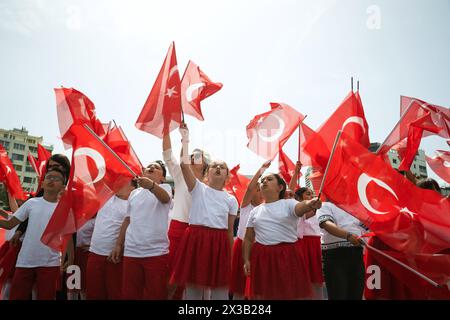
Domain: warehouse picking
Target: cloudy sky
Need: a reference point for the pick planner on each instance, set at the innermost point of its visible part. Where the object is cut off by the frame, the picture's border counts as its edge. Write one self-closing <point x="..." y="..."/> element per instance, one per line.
<point x="299" y="52"/>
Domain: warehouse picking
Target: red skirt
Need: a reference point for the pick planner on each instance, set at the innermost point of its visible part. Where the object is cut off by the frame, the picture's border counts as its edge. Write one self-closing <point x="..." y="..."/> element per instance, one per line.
<point x="278" y="272"/>
<point x="238" y="278"/>
<point x="203" y="258"/>
<point x="175" y="234"/>
<point x="312" y="253"/>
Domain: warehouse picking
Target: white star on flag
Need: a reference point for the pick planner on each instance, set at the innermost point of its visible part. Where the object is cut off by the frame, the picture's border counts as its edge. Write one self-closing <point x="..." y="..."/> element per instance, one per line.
<point x="170" y="92"/>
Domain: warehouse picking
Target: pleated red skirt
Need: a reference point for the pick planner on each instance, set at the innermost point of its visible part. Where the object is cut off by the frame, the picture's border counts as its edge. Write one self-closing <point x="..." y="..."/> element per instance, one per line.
<point x="278" y="272"/>
<point x="203" y="258"/>
<point x="238" y="278"/>
<point x="312" y="253"/>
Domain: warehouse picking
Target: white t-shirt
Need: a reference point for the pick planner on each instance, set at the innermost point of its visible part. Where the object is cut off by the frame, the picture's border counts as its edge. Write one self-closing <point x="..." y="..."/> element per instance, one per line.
<point x="308" y="227"/>
<point x="146" y="235"/>
<point x="34" y="253"/>
<point x="243" y="219"/>
<point x="182" y="199"/>
<point x="107" y="226"/>
<point x="84" y="235"/>
<point x="211" y="207"/>
<point x="274" y="222"/>
<point x="330" y="212"/>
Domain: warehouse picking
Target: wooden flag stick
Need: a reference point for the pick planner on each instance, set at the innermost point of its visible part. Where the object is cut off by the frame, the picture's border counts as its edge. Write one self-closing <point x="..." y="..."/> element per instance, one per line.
<point x="299" y="144"/>
<point x="109" y="149"/>
<point x="329" y="162"/>
<point x="352" y="83"/>
<point x="123" y="132"/>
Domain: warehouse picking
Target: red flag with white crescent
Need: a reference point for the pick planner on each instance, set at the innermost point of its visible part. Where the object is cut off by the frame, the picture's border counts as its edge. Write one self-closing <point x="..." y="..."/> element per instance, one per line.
<point x="269" y="131"/>
<point x="162" y="111"/>
<point x="195" y="87"/>
<point x="440" y="164"/>
<point x="95" y="176"/>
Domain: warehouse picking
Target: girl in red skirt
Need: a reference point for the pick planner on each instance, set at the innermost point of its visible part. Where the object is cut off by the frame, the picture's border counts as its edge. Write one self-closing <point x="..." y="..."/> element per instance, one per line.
<point x="203" y="260"/>
<point x="179" y="217"/>
<point x="251" y="200"/>
<point x="271" y="255"/>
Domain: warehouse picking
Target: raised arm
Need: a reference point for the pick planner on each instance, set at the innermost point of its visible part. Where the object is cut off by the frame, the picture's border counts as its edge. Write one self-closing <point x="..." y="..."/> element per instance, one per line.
<point x="12" y="203"/>
<point x="167" y="144"/>
<point x="153" y="187"/>
<point x="293" y="183"/>
<point x="251" y="188"/>
<point x="306" y="206"/>
<point x="185" y="164"/>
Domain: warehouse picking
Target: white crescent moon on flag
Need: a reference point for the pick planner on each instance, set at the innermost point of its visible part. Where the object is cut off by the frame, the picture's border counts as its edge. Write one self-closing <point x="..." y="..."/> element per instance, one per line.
<point x="8" y="170"/>
<point x="41" y="167"/>
<point x="357" y="120"/>
<point x="173" y="71"/>
<point x="278" y="133"/>
<point x="190" y="90"/>
<point x="98" y="159"/>
<point x="363" y="181"/>
<point x="446" y="164"/>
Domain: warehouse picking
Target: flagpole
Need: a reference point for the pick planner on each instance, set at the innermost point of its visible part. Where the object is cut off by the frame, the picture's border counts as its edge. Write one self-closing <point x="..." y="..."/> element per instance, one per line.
<point x="417" y="273"/>
<point x="352" y="83"/>
<point x="299" y="145"/>
<point x="329" y="162"/>
<point x="398" y="123"/>
<point x="181" y="104"/>
<point x="123" y="132"/>
<point x="109" y="149"/>
<point x="357" y="86"/>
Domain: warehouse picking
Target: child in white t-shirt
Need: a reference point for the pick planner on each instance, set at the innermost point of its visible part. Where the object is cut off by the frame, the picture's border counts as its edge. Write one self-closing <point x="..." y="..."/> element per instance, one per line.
<point x="203" y="261"/>
<point x="37" y="263"/>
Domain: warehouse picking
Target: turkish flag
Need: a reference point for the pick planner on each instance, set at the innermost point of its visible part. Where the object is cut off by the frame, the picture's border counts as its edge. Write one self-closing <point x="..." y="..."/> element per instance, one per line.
<point x="8" y="175"/>
<point x="43" y="156"/>
<point x="73" y="107"/>
<point x="195" y="87"/>
<point x="237" y="184"/>
<point x="413" y="110"/>
<point x="304" y="134"/>
<point x="269" y="131"/>
<point x="440" y="164"/>
<point x="431" y="122"/>
<point x="95" y="176"/>
<point x="162" y="111"/>
<point x="348" y="117"/>
<point x="33" y="162"/>
<point x="405" y="217"/>
<point x="115" y="138"/>
<point x="285" y="166"/>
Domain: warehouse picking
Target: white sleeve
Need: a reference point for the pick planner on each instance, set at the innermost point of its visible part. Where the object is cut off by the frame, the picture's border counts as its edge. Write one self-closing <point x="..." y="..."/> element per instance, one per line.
<point x="172" y="164"/>
<point x="291" y="203"/>
<point x="325" y="214"/>
<point x="198" y="187"/>
<point x="233" y="206"/>
<point x="251" y="218"/>
<point x="23" y="212"/>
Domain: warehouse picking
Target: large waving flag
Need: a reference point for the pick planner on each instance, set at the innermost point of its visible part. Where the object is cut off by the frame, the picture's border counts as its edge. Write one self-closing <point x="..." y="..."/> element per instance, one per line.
<point x="286" y="167"/>
<point x="348" y="117"/>
<point x="405" y="217"/>
<point x="440" y="164"/>
<point x="96" y="175"/>
<point x="195" y="87"/>
<point x="8" y="175"/>
<point x="73" y="107"/>
<point x="269" y="131"/>
<point x="40" y="163"/>
<point x="162" y="111"/>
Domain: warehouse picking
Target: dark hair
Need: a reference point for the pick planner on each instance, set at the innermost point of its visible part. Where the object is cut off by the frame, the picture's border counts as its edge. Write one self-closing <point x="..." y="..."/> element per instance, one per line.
<point x="61" y="160"/>
<point x="163" y="167"/>
<point x="59" y="171"/>
<point x="429" y="184"/>
<point x="300" y="191"/>
<point x="281" y="182"/>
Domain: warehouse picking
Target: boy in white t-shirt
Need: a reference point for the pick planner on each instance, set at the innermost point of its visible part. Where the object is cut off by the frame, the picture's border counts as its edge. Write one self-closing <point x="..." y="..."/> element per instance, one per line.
<point x="37" y="263"/>
<point x="143" y="237"/>
<point x="103" y="275"/>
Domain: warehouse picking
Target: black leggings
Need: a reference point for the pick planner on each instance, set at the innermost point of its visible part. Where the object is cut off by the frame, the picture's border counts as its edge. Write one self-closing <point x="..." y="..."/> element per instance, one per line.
<point x="344" y="273"/>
